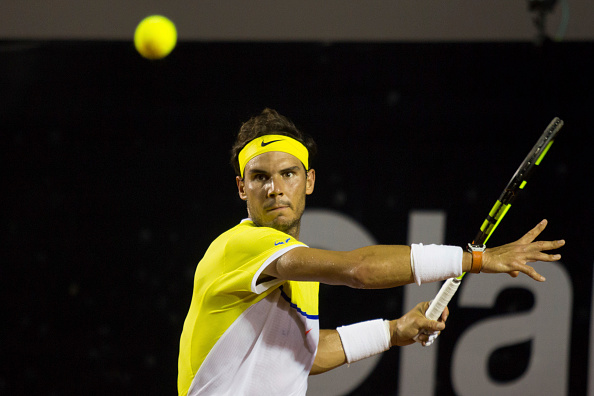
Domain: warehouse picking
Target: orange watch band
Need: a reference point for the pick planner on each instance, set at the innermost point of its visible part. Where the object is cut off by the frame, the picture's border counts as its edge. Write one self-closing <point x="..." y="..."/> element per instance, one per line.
<point x="477" y="261"/>
<point x="477" y="257"/>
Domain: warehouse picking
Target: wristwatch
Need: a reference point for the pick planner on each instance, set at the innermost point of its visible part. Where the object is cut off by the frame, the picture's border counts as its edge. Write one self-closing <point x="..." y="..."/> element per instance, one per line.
<point x="477" y="257"/>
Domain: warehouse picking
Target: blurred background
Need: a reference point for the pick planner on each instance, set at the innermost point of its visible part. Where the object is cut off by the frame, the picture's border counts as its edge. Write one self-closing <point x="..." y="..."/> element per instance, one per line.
<point x="116" y="176"/>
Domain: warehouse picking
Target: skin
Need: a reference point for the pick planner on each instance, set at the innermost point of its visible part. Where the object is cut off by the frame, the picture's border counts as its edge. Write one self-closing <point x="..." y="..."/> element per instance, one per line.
<point x="275" y="186"/>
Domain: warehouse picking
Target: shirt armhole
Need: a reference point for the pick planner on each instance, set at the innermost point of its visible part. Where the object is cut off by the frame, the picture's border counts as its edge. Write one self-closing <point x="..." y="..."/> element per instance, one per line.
<point x="262" y="287"/>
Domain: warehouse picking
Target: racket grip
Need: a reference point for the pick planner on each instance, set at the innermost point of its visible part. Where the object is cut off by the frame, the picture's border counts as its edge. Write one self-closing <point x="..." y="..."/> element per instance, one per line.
<point x="443" y="297"/>
<point x="439" y="303"/>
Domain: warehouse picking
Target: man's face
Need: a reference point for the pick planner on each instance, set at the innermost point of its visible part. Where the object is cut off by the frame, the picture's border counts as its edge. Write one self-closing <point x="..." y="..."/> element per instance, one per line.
<point x="275" y="185"/>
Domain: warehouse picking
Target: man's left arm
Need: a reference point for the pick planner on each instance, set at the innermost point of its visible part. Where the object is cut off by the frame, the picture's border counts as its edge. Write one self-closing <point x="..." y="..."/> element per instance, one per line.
<point x="331" y="347"/>
<point x="330" y="352"/>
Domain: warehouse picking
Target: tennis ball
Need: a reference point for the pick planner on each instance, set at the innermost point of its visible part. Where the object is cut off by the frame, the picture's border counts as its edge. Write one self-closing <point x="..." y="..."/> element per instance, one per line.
<point x="155" y="37"/>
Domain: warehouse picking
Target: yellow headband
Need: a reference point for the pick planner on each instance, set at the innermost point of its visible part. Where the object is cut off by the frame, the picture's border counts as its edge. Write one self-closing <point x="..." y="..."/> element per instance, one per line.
<point x="267" y="143"/>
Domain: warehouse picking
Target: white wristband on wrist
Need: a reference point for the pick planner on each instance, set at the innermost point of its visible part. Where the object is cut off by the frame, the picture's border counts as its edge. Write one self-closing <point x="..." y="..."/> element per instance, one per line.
<point x="432" y="263"/>
<point x="365" y="339"/>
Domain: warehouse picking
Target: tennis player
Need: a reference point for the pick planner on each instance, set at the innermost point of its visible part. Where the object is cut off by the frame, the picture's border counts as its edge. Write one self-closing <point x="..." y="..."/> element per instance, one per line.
<point x="252" y="326"/>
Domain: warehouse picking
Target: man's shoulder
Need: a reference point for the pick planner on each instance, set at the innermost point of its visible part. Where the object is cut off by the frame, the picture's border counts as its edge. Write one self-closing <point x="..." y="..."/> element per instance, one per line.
<point x="247" y="226"/>
<point x="247" y="232"/>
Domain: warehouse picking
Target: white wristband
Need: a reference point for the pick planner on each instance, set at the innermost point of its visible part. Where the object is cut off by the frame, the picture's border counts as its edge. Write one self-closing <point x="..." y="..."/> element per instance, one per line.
<point x="365" y="339"/>
<point x="431" y="263"/>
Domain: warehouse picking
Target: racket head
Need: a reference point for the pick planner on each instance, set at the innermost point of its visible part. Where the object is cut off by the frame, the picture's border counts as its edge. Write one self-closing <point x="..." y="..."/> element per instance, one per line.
<point x="519" y="180"/>
<point x="532" y="160"/>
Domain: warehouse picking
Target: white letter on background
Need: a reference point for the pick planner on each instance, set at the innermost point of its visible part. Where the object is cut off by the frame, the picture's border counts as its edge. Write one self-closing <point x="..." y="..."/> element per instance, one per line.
<point x="546" y="325"/>
<point x="326" y="229"/>
<point x="418" y="364"/>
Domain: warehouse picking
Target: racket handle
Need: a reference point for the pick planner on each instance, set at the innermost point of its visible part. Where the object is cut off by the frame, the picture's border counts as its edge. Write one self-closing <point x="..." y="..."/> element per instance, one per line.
<point x="439" y="303"/>
<point x="443" y="297"/>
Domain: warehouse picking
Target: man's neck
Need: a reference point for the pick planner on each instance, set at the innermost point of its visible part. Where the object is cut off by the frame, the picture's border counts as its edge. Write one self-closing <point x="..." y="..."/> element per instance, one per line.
<point x="293" y="231"/>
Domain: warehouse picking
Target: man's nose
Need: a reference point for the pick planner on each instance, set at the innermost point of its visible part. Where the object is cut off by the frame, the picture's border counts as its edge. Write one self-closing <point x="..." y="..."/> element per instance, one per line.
<point x="275" y="187"/>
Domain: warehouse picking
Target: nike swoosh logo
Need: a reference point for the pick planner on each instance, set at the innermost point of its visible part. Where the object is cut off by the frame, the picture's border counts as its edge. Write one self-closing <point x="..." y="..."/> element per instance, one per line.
<point x="264" y="144"/>
<point x="307" y="331"/>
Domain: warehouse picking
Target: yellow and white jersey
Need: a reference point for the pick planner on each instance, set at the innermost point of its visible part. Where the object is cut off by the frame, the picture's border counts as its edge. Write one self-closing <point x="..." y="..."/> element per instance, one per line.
<point x="242" y="337"/>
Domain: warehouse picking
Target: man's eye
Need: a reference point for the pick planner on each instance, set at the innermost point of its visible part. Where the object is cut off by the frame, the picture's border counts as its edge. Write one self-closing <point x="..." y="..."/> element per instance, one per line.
<point x="260" y="177"/>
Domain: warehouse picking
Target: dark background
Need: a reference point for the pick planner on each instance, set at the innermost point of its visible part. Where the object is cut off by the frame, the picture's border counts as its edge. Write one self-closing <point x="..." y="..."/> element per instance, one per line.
<point x="116" y="179"/>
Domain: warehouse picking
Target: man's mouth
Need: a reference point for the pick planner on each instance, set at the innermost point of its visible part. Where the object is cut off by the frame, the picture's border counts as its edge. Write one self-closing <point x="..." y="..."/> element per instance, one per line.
<point x="277" y="207"/>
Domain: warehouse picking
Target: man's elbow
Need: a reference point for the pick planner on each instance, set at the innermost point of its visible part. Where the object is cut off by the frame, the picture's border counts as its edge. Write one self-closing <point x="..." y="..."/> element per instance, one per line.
<point x="359" y="278"/>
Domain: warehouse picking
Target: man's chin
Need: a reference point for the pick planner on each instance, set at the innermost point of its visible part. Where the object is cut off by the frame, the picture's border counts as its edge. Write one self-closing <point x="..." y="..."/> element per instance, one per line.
<point x="283" y="224"/>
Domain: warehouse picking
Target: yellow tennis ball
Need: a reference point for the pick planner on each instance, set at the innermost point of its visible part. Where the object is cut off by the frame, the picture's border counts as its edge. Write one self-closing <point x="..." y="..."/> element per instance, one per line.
<point x="155" y="37"/>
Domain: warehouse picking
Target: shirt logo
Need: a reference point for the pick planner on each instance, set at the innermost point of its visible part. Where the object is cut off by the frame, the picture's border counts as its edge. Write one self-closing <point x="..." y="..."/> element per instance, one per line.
<point x="264" y="144"/>
<point x="281" y="242"/>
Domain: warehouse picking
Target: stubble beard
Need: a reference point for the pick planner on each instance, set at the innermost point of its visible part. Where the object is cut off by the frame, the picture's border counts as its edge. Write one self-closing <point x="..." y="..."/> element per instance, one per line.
<point x="291" y="227"/>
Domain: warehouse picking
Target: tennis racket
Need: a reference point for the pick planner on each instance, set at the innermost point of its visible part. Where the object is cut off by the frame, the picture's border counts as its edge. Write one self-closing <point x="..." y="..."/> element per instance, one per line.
<point x="499" y="210"/>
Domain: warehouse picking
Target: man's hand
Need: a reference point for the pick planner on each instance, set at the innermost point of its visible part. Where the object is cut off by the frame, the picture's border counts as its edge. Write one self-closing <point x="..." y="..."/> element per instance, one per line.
<point x="413" y="323"/>
<point x="512" y="258"/>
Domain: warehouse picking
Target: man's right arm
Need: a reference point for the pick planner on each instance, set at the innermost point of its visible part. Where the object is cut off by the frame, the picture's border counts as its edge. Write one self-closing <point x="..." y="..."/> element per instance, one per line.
<point x="371" y="267"/>
<point x="386" y="266"/>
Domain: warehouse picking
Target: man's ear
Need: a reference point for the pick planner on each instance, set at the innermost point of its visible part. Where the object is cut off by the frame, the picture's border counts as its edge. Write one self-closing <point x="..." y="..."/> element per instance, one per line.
<point x="241" y="188"/>
<point x="311" y="181"/>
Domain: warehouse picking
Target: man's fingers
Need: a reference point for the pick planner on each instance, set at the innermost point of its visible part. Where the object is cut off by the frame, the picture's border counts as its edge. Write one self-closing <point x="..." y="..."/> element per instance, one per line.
<point x="425" y="325"/>
<point x="536" y="251"/>
<point x="533" y="233"/>
<point x="433" y="325"/>
<point x="445" y="314"/>
<point x="531" y="272"/>
<point x="513" y="257"/>
<point x="424" y="336"/>
<point x="547" y="257"/>
<point x="546" y="245"/>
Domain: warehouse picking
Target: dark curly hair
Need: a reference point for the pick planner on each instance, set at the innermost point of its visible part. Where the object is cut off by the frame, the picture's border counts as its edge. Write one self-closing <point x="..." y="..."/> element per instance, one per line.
<point x="269" y="122"/>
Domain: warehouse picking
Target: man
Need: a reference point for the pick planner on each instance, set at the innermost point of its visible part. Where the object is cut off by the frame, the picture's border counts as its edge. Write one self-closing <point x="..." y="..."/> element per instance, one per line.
<point x="252" y="327"/>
